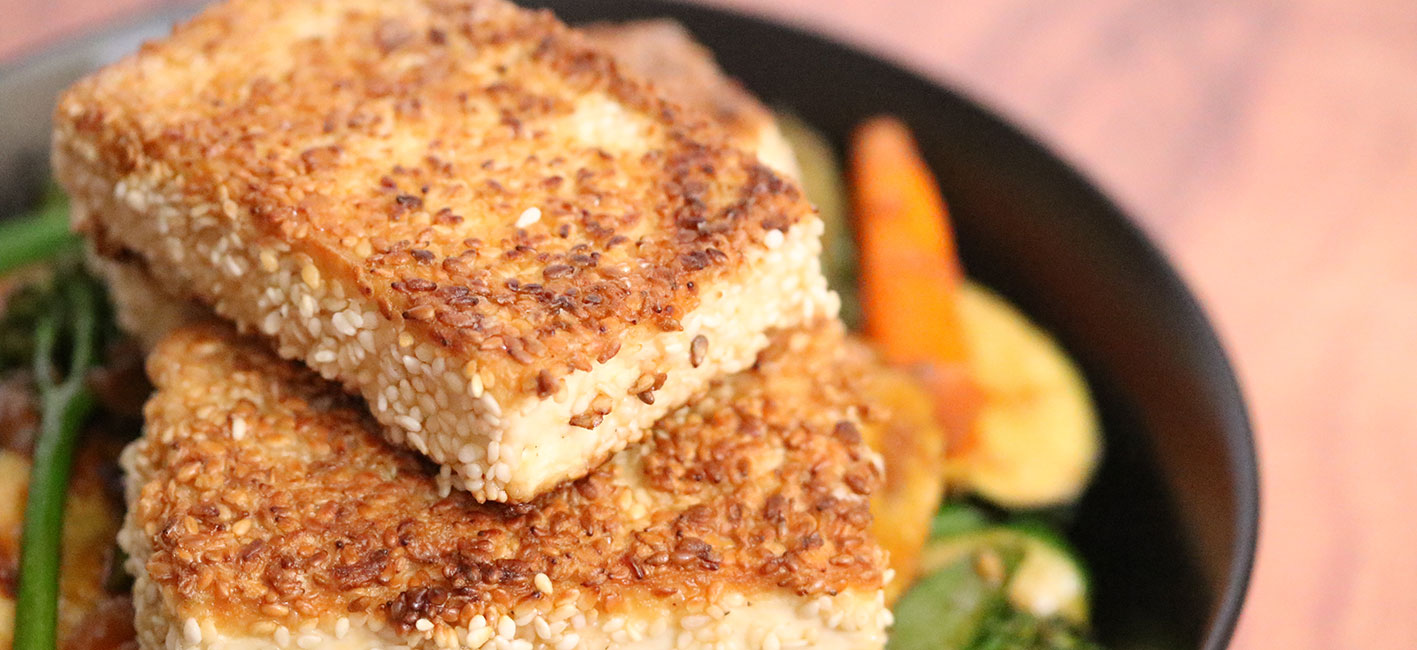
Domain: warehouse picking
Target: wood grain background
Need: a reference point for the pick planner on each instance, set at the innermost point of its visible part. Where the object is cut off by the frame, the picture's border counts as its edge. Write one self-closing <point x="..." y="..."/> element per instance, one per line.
<point x="1271" y="147"/>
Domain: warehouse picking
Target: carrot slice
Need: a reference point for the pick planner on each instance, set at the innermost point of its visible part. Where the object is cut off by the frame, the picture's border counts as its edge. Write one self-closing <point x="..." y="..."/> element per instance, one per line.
<point x="910" y="273"/>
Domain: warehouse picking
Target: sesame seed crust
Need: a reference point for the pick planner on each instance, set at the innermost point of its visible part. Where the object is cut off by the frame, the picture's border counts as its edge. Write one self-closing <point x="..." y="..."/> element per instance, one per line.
<point x="682" y="70"/>
<point x="358" y="180"/>
<point x="307" y="514"/>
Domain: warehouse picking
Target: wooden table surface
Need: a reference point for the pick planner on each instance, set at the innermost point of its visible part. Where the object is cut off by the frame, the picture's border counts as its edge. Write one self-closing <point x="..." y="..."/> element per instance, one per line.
<point x="1271" y="147"/>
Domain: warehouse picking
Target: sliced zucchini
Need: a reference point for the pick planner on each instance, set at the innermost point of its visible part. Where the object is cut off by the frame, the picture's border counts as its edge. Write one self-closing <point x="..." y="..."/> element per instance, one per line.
<point x="824" y="183"/>
<point x="1036" y="438"/>
<point x="1047" y="581"/>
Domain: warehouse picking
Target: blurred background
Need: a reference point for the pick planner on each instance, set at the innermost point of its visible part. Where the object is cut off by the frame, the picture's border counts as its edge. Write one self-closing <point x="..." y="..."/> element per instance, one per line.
<point x="1271" y="149"/>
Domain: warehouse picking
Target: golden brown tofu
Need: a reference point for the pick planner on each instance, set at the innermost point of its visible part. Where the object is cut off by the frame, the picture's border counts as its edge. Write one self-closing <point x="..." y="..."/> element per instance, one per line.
<point x="519" y="255"/>
<point x="684" y="71"/>
<point x="265" y="509"/>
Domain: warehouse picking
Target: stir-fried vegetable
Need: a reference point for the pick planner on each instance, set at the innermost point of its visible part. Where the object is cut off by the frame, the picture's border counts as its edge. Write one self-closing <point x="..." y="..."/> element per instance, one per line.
<point x="56" y="327"/>
<point x="37" y="236"/>
<point x="988" y="586"/>
<point x="1036" y="438"/>
<point x="69" y="323"/>
<point x="1048" y="580"/>
<point x="910" y="275"/>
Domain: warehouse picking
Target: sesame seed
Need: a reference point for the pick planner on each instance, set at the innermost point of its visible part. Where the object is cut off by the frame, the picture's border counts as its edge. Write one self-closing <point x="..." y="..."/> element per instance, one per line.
<point x="543" y="583"/>
<point x="408" y="423"/>
<point x="479" y="636"/>
<point x="528" y="217"/>
<point x="773" y="239"/>
<point x="698" y="349"/>
<point x="191" y="631"/>
<point x="238" y="428"/>
<point x="341" y="627"/>
<point x="423" y="625"/>
<point x="694" y="622"/>
<point x="311" y="276"/>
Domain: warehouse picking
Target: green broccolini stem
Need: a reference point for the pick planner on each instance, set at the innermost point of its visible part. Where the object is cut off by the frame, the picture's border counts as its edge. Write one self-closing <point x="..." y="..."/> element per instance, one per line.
<point x="64" y="406"/>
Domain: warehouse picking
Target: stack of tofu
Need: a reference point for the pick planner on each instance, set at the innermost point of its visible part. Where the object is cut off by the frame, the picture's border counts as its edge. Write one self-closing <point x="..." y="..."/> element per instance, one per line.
<point x="470" y="332"/>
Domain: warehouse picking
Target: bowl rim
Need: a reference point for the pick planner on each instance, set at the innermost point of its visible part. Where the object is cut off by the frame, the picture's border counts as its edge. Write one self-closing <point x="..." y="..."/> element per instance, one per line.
<point x="1217" y="366"/>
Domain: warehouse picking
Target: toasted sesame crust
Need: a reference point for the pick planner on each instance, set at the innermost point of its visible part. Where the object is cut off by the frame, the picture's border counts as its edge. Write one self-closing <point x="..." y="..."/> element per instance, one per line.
<point x="684" y="71"/>
<point x="464" y="185"/>
<point x="260" y="495"/>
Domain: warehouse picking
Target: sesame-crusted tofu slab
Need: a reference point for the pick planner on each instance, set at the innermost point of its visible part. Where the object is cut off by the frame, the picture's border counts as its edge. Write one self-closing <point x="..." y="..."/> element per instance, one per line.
<point x="264" y="508"/>
<point x="666" y="54"/>
<point x="518" y="255"/>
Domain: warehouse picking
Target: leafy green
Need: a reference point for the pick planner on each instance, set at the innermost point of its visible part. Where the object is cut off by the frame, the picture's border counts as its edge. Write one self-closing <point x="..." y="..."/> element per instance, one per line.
<point x="946" y="609"/>
<point x="1015" y="630"/>
<point x="37" y="236"/>
<point x="978" y="564"/>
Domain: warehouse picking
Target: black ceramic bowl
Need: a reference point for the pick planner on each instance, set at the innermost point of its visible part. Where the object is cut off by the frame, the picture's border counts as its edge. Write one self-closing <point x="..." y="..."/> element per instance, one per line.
<point x="1169" y="525"/>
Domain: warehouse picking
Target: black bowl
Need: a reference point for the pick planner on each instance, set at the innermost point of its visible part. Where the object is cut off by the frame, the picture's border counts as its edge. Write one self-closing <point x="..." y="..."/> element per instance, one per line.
<point x="1169" y="525"/>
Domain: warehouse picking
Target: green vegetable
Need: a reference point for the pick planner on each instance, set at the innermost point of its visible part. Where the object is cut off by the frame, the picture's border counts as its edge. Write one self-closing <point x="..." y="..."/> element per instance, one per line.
<point x="1015" y="630"/>
<point x="1036" y="439"/>
<point x="822" y="180"/>
<point x="56" y="326"/>
<point x="988" y="586"/>
<point x="37" y="236"/>
<point x="956" y="519"/>
<point x="65" y="401"/>
<point x="1049" y="581"/>
<point x="946" y="609"/>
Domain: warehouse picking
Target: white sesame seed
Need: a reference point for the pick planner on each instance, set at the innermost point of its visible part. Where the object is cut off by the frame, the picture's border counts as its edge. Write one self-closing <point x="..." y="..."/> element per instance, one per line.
<point x="311" y="276"/>
<point x="694" y="622"/>
<point x="191" y="631"/>
<point x="271" y="324"/>
<point x="282" y="637"/>
<point x="422" y="625"/>
<point x="238" y="428"/>
<point x="308" y="641"/>
<point x="506" y="627"/>
<point x="341" y="627"/>
<point x="408" y="423"/>
<point x="773" y="239"/>
<point x="542" y="582"/>
<point x="479" y="636"/>
<point x="528" y="217"/>
<point x="569" y="641"/>
<point x="324" y="356"/>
